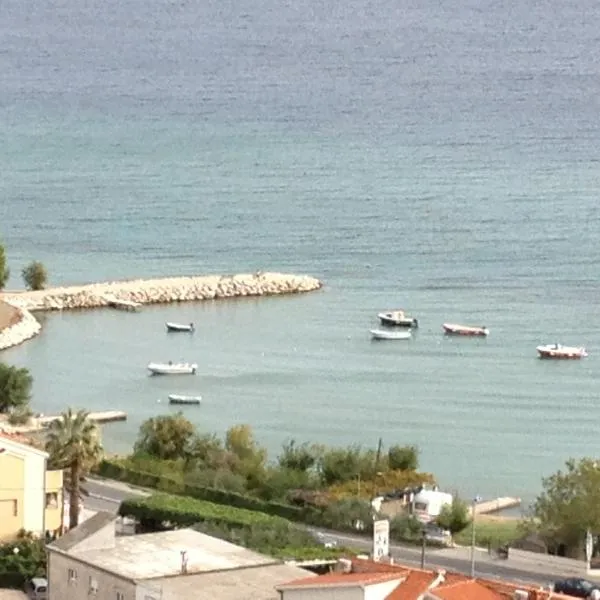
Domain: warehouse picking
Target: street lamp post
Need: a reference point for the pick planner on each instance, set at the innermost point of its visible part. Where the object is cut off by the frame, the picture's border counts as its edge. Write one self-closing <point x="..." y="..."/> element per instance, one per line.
<point x="473" y="515"/>
<point x="423" y="545"/>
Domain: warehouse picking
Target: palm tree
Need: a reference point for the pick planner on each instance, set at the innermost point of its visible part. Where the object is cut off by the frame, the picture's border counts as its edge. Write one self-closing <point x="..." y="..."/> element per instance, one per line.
<point x="73" y="444"/>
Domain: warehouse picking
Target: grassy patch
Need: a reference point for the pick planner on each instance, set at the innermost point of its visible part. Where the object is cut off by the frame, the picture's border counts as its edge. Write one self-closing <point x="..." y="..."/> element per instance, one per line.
<point x="492" y="531"/>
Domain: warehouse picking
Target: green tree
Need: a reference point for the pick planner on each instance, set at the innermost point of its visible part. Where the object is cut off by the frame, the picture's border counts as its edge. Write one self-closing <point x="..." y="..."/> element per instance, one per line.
<point x="297" y="457"/>
<point x="454" y="517"/>
<point x="73" y="443"/>
<point x="35" y="276"/>
<point x="15" y="388"/>
<point x="207" y="449"/>
<point x="167" y="437"/>
<point x="21" y="560"/>
<point x="246" y="457"/>
<point x="403" y="458"/>
<point x="4" y="270"/>
<point x="340" y="464"/>
<point x="569" y="504"/>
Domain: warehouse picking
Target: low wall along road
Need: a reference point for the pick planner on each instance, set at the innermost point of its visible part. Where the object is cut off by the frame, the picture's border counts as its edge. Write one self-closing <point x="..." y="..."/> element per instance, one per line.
<point x="148" y="291"/>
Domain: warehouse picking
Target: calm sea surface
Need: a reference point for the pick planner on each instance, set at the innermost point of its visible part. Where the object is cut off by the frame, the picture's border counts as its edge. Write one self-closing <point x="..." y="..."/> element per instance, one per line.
<point x="438" y="156"/>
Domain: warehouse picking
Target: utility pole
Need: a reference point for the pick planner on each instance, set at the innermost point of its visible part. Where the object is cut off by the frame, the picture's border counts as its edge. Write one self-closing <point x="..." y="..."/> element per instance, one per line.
<point x="423" y="545"/>
<point x="473" y="515"/>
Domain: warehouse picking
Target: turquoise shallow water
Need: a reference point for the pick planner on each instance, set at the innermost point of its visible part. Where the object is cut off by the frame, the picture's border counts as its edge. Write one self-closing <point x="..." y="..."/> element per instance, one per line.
<point x="440" y="157"/>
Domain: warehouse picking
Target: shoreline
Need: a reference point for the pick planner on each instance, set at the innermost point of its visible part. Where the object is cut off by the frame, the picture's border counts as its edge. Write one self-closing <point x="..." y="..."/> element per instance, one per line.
<point x="15" y="330"/>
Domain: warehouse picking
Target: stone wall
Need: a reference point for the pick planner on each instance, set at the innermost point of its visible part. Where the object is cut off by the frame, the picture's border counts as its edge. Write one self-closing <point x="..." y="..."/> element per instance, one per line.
<point x="146" y="291"/>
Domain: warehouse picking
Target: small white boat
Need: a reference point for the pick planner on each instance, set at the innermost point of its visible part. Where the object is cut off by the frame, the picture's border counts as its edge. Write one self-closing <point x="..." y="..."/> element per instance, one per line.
<point x="119" y="304"/>
<point x="179" y="399"/>
<point x="454" y="329"/>
<point x="383" y="334"/>
<point x="560" y="351"/>
<point x="397" y="318"/>
<point x="172" y="368"/>
<point x="180" y="327"/>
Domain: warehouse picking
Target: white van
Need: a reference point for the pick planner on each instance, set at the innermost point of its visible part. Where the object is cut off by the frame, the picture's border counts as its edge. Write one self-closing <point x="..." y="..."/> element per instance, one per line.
<point x="37" y="588"/>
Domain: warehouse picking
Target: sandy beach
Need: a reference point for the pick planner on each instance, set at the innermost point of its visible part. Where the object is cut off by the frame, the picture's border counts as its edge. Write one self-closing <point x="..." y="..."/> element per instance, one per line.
<point x="8" y="315"/>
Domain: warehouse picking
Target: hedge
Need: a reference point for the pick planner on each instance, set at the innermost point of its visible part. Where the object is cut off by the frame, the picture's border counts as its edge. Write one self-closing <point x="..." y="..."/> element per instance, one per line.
<point x="112" y="469"/>
<point x="184" y="511"/>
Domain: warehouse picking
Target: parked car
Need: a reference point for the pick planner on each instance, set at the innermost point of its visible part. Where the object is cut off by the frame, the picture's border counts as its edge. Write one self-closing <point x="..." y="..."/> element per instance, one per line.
<point x="37" y="588"/>
<point x="578" y="588"/>
<point x="327" y="542"/>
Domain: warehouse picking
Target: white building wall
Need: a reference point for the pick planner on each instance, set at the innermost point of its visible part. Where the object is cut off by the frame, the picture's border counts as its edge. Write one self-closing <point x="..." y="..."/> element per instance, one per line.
<point x="380" y="591"/>
<point x="34" y="497"/>
<point x="147" y="591"/>
<point x="106" y="584"/>
<point x="325" y="593"/>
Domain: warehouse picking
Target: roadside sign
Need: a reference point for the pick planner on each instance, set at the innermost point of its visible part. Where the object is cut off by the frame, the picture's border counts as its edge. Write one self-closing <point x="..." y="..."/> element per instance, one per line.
<point x="381" y="539"/>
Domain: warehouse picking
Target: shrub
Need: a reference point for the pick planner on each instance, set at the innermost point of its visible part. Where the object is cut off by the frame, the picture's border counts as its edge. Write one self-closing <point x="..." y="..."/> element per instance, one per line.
<point x="15" y="387"/>
<point x="182" y="511"/>
<point x="20" y="415"/>
<point x="175" y="485"/>
<point x="35" y="276"/>
<point x="403" y="458"/>
<point x="4" y="270"/>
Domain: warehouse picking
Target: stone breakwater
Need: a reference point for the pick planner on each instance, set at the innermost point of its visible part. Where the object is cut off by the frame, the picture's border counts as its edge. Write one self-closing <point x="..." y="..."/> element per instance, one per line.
<point x="146" y="291"/>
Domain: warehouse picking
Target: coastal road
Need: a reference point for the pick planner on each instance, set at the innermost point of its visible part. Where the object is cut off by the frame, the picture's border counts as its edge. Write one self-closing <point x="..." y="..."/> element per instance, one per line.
<point x="106" y="495"/>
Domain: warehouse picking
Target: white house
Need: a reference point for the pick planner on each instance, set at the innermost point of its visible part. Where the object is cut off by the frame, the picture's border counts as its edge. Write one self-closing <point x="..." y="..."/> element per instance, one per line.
<point x="427" y="504"/>
<point x="91" y="563"/>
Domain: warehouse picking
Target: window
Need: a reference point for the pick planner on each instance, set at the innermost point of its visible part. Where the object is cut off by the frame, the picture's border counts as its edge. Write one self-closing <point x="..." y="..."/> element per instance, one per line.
<point x="52" y="500"/>
<point x="72" y="575"/>
<point x="93" y="586"/>
<point x="15" y="508"/>
<point x="120" y="596"/>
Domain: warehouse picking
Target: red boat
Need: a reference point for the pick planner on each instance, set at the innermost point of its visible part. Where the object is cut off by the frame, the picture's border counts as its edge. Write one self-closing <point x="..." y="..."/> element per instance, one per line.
<point x="453" y="329"/>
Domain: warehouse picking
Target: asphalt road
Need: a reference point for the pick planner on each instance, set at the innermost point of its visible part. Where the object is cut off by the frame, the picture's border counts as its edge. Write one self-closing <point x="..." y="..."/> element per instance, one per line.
<point x="107" y="495"/>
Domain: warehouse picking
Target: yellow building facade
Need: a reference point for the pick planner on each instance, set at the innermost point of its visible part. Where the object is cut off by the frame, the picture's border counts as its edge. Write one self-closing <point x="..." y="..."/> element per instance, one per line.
<point x="30" y="495"/>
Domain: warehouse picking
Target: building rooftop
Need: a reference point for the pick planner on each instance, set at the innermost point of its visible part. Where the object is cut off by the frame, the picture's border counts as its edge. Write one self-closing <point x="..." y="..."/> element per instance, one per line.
<point x="418" y="583"/>
<point x="343" y="579"/>
<point x="86" y="528"/>
<point x="255" y="583"/>
<point x="21" y="440"/>
<point x="156" y="555"/>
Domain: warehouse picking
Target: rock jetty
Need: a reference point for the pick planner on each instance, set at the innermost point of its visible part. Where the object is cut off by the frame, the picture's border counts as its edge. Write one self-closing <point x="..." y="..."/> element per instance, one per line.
<point x="146" y="291"/>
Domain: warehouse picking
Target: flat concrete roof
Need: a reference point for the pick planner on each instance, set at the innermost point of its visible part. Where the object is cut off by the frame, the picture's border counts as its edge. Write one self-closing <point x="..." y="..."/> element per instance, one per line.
<point x="257" y="583"/>
<point x="155" y="555"/>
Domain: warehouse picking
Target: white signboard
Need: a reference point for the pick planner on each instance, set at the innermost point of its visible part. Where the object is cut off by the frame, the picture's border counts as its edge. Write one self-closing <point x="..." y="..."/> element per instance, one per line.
<point x="381" y="539"/>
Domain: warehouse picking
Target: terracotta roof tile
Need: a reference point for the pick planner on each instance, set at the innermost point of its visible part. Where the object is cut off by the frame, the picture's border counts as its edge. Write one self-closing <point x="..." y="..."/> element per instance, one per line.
<point x="19" y="438"/>
<point x="466" y="590"/>
<point x="416" y="583"/>
<point x="337" y="579"/>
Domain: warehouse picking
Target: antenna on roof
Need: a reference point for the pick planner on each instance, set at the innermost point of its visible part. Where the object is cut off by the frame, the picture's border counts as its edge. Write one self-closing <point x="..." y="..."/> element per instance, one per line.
<point x="184" y="561"/>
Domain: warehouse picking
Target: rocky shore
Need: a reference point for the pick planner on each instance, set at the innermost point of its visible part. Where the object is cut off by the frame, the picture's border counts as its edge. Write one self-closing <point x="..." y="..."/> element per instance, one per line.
<point x="145" y="291"/>
<point x="25" y="328"/>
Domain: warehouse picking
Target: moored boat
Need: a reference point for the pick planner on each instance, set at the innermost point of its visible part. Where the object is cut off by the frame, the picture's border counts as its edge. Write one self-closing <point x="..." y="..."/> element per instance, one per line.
<point x="455" y="329"/>
<point x="179" y="399"/>
<point x="171" y="368"/>
<point x="180" y="327"/>
<point x="383" y="334"/>
<point x="397" y="318"/>
<point x="560" y="351"/>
